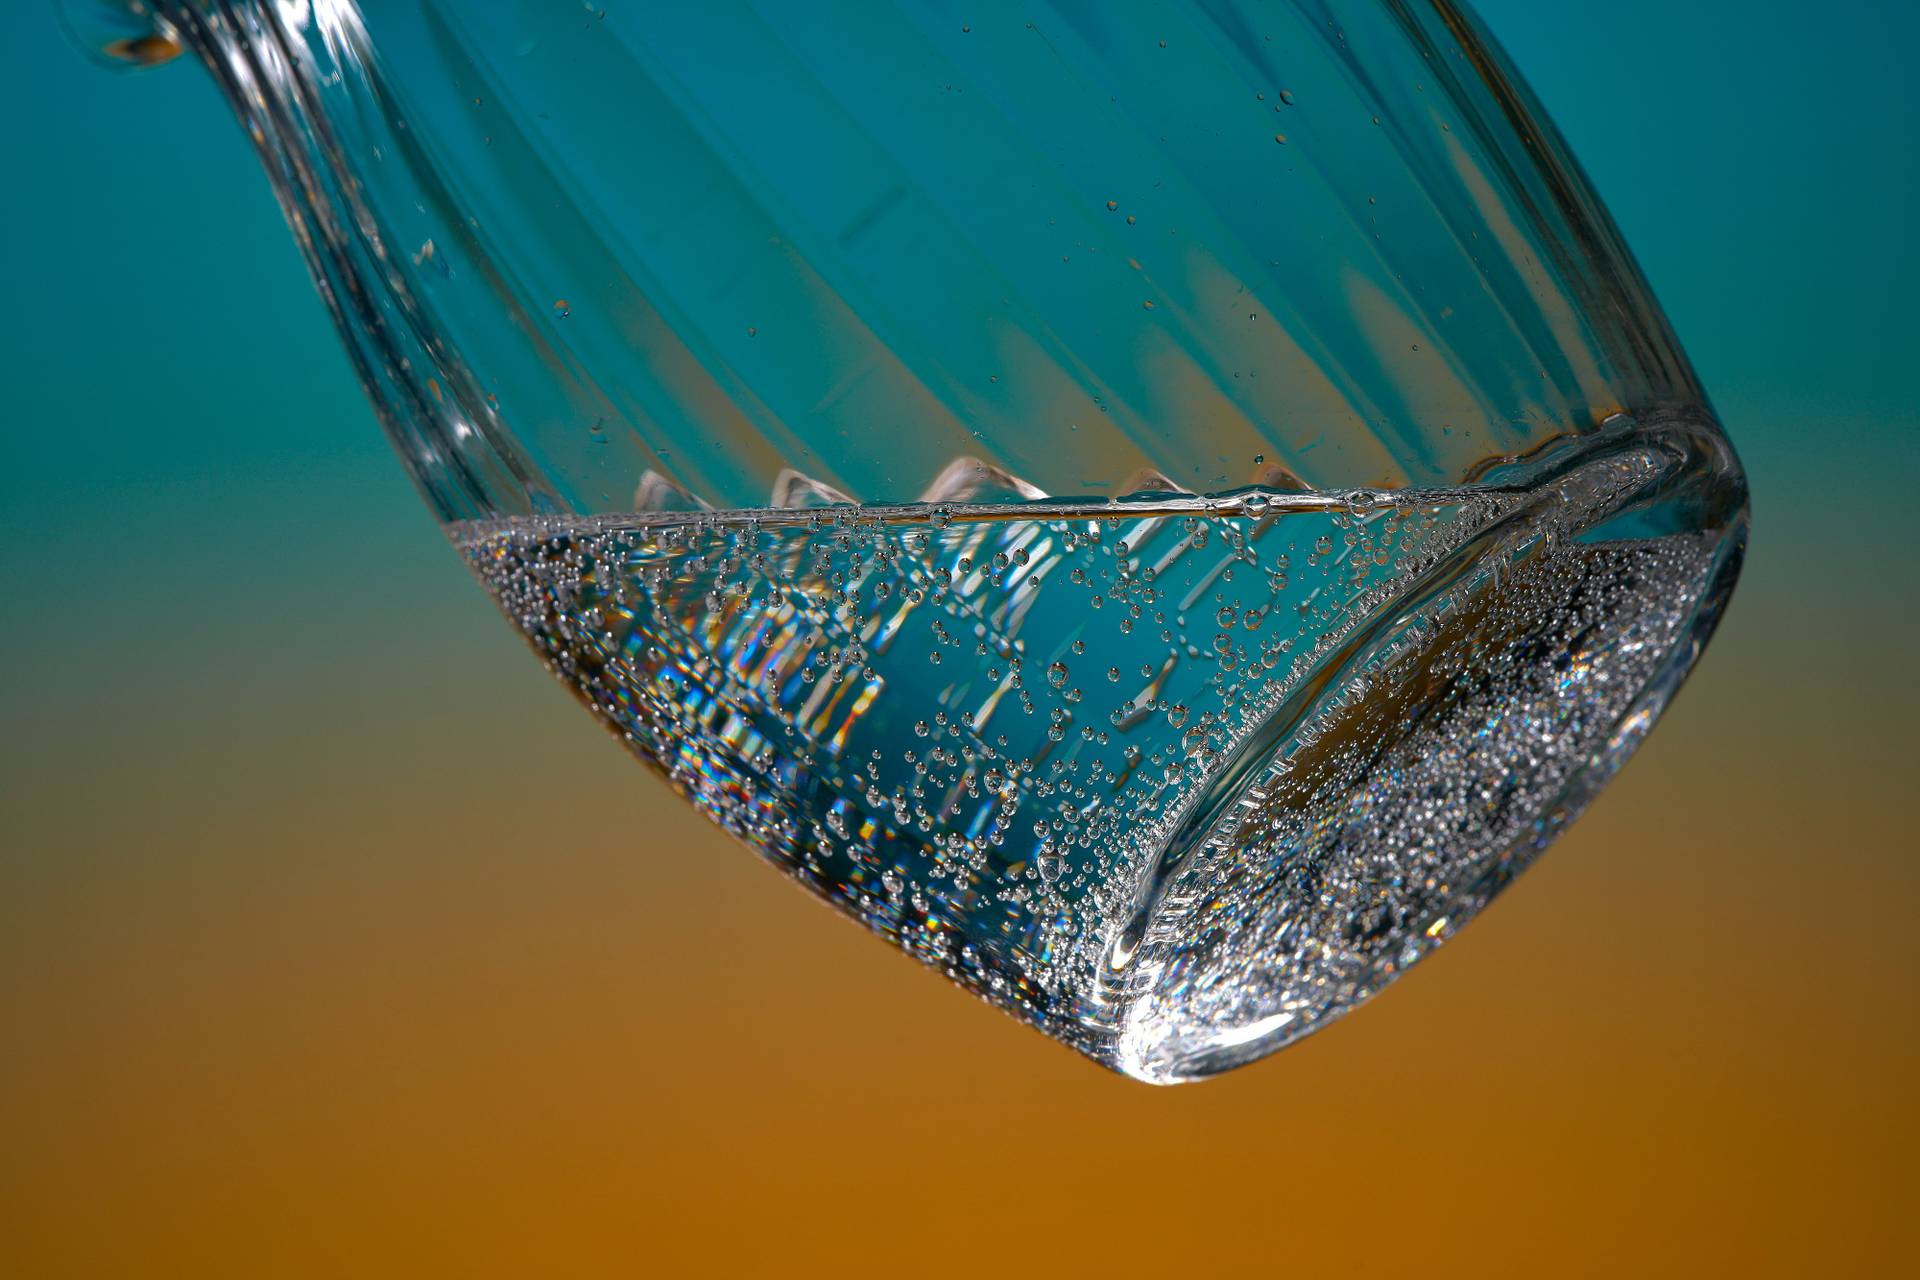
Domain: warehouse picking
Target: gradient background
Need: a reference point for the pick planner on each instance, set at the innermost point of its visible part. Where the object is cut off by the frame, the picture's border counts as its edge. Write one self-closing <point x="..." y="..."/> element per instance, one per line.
<point x="334" y="941"/>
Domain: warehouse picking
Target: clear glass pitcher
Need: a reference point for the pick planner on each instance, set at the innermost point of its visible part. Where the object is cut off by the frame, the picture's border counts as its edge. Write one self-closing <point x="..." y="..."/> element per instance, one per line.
<point x="1159" y="509"/>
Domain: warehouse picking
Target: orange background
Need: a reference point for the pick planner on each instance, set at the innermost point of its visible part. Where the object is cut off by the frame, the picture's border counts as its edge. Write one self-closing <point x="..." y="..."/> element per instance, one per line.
<point x="359" y="973"/>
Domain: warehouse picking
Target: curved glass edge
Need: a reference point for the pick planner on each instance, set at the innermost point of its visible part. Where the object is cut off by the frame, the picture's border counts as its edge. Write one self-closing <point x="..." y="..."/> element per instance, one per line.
<point x="432" y="407"/>
<point x="1706" y="495"/>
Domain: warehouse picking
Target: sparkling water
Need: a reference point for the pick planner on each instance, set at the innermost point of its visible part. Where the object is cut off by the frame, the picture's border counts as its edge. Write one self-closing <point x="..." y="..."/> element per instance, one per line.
<point x="1176" y="778"/>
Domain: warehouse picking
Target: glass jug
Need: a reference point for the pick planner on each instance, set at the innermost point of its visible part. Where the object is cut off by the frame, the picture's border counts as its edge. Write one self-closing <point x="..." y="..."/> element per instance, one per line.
<point x="1158" y="509"/>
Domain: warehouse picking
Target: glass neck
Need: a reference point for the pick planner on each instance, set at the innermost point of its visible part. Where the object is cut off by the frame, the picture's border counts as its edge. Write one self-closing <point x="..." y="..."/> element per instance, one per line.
<point x="295" y="73"/>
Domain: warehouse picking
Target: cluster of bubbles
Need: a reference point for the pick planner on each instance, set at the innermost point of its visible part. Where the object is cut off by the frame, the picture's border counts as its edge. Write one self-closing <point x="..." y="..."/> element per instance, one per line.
<point x="983" y="734"/>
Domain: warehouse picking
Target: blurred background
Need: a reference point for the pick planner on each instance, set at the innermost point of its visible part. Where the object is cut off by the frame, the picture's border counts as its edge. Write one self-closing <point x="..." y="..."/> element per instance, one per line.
<point x="335" y="940"/>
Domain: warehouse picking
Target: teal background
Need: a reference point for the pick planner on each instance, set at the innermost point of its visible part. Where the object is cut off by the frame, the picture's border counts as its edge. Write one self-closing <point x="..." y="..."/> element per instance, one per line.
<point x="332" y="939"/>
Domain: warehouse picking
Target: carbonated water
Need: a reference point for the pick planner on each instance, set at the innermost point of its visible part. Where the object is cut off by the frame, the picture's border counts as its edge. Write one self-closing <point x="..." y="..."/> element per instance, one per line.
<point x="1178" y="778"/>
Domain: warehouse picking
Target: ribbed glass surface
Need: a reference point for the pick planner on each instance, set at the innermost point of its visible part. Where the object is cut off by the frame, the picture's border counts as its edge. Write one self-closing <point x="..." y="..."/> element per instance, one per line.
<point x="750" y="255"/>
